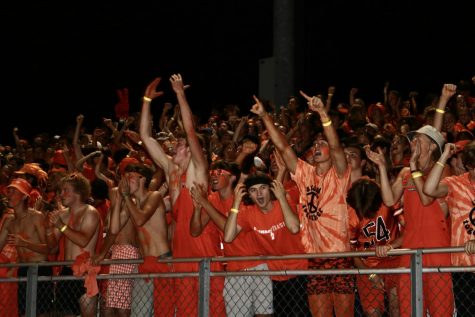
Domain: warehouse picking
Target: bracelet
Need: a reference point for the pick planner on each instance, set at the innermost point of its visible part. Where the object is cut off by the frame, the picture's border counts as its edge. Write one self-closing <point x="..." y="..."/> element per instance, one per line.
<point x="327" y="123"/>
<point x="372" y="276"/>
<point x="416" y="174"/>
<point x="147" y="99"/>
<point x="440" y="110"/>
<point x="234" y="210"/>
<point x="63" y="228"/>
<point x="440" y="164"/>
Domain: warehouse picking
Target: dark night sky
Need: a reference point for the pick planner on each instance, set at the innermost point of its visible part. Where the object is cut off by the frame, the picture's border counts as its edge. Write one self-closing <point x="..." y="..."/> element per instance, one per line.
<point x="69" y="59"/>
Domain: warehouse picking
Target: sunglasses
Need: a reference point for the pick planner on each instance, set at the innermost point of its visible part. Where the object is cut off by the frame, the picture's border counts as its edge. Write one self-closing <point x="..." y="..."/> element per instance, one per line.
<point x="219" y="172"/>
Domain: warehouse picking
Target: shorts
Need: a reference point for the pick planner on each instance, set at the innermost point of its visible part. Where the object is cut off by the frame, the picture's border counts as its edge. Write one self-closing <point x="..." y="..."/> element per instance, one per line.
<point x="249" y="295"/>
<point x="327" y="284"/>
<point x="68" y="293"/>
<point x="119" y="291"/>
<point x="44" y="291"/>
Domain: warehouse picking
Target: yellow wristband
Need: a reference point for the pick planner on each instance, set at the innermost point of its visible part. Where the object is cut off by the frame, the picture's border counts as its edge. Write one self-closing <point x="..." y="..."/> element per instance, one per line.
<point x="440" y="110"/>
<point x="234" y="210"/>
<point x="147" y="99"/>
<point x="416" y="174"/>
<point x="63" y="228"/>
<point x="327" y="123"/>
<point x="440" y="164"/>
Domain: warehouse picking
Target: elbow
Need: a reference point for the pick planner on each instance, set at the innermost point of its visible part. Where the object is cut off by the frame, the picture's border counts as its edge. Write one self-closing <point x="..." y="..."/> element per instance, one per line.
<point x="195" y="230"/>
<point x="195" y="233"/>
<point x="140" y="222"/>
<point x="228" y="238"/>
<point x="294" y="229"/>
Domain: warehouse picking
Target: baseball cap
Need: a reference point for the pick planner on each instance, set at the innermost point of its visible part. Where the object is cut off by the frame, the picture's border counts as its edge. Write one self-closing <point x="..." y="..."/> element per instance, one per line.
<point x="22" y="185"/>
<point x="432" y="133"/>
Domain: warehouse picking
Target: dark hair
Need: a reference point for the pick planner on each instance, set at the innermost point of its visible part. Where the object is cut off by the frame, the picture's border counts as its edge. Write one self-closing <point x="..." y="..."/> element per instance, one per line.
<point x="254" y="179"/>
<point x="231" y="167"/>
<point x="141" y="169"/>
<point x="365" y="198"/>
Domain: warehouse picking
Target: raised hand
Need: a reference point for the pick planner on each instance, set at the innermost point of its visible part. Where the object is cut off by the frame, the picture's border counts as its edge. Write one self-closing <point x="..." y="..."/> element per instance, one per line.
<point x="151" y="90"/>
<point x="239" y="192"/>
<point x="80" y="119"/>
<point x="314" y="103"/>
<point x="278" y="189"/>
<point x="121" y="108"/>
<point x="448" y="90"/>
<point x="258" y="107"/>
<point x="375" y="157"/>
<point x="415" y="151"/>
<point x="177" y="83"/>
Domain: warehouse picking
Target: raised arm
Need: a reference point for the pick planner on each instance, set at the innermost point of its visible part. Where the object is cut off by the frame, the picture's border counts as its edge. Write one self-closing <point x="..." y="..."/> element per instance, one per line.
<point x="77" y="132"/>
<point x="197" y="156"/>
<point x="391" y="193"/>
<point x="448" y="90"/>
<point x="231" y="228"/>
<point x="432" y="186"/>
<point x="328" y="102"/>
<point x="279" y="140"/>
<point x="290" y="218"/>
<point x="336" y="150"/>
<point x="154" y="148"/>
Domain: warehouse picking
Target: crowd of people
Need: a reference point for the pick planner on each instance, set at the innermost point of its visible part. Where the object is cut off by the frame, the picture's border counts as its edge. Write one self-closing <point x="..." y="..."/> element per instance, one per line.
<point x="310" y="177"/>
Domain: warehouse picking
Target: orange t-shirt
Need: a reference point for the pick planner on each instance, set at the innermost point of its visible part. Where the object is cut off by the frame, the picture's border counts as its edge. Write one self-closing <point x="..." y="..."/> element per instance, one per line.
<point x="273" y="237"/>
<point x="425" y="226"/>
<point x="184" y="245"/>
<point x="367" y="233"/>
<point x="243" y="245"/>
<point x="461" y="202"/>
<point x="323" y="209"/>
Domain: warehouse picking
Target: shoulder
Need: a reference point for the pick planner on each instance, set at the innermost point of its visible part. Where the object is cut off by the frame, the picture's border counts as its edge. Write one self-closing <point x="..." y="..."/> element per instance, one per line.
<point x="92" y="212"/>
<point x="35" y="214"/>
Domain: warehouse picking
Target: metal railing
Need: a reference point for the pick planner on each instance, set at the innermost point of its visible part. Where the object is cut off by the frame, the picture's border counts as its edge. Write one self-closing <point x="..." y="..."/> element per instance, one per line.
<point x="205" y="277"/>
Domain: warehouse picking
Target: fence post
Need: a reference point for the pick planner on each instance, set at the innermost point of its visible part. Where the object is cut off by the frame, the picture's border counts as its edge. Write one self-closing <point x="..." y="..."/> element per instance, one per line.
<point x="416" y="284"/>
<point x="31" y="287"/>
<point x="204" y="289"/>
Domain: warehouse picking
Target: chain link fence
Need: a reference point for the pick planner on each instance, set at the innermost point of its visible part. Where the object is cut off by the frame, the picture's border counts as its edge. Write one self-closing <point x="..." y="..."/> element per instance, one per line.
<point x="402" y="291"/>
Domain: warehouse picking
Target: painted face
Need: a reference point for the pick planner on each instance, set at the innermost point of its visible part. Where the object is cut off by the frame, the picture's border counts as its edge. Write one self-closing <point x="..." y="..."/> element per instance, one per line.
<point x="219" y="178"/>
<point x="322" y="151"/>
<point x="15" y="197"/>
<point x="260" y="195"/>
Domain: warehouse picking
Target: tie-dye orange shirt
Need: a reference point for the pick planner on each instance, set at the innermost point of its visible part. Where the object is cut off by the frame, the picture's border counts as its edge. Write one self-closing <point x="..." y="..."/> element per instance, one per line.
<point x="461" y="202"/>
<point x="323" y="210"/>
